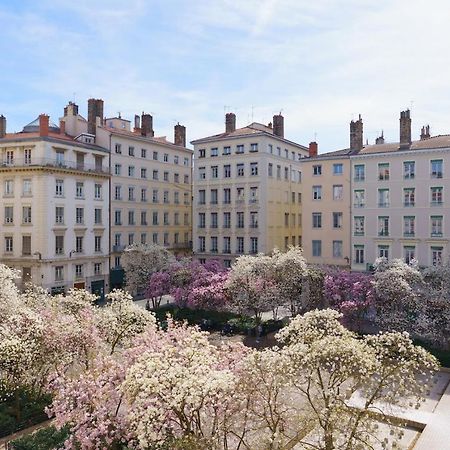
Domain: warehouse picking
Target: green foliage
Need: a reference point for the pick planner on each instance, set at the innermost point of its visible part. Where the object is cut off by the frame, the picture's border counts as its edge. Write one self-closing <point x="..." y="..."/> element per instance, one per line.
<point x="44" y="439"/>
<point x="442" y="355"/>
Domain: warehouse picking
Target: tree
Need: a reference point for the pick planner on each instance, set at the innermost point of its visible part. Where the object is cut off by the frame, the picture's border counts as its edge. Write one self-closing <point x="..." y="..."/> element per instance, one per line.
<point x="140" y="261"/>
<point x="209" y="291"/>
<point x="158" y="285"/>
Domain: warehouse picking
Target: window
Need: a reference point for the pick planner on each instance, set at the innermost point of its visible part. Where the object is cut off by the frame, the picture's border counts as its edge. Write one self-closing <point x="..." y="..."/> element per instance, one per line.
<point x="271" y="149"/>
<point x="117" y="169"/>
<point x="201" y="244"/>
<point x="254" y="194"/>
<point x="436" y="226"/>
<point x="254" y="147"/>
<point x="131" y="194"/>
<point x="131" y="220"/>
<point x="383" y="226"/>
<point x="409" y="226"/>
<point x="97" y="243"/>
<point x="78" y="270"/>
<point x="155" y="238"/>
<point x="338" y="192"/>
<point x="227" y="171"/>
<point x="359" y="199"/>
<point x="131" y="151"/>
<point x="215" y="151"/>
<point x="59" y="157"/>
<point x="9" y="244"/>
<point x="409" y="170"/>
<point x="202" y="153"/>
<point x="27" y="156"/>
<point x="338" y="169"/>
<point x="214" y="248"/>
<point x="97" y="216"/>
<point x="337" y="220"/>
<point x="436" y="255"/>
<point x="176" y="159"/>
<point x="383" y="198"/>
<point x="227" y="220"/>
<point x="253" y="219"/>
<point x="166" y="197"/>
<point x="240" y="245"/>
<point x="227" y="244"/>
<point x="202" y="173"/>
<point x="143" y="172"/>
<point x="176" y="177"/>
<point x="317" y="248"/>
<point x="358" y="222"/>
<point x="118" y="148"/>
<point x="317" y="192"/>
<point x="409" y="252"/>
<point x="166" y="218"/>
<point x="79" y="189"/>
<point x="131" y="171"/>
<point x="240" y="170"/>
<point x="270" y="170"/>
<point x="316" y="220"/>
<point x="383" y="171"/>
<point x="26" y="214"/>
<point x="186" y="161"/>
<point x="408" y="197"/>
<point x="143" y="153"/>
<point x="240" y="219"/>
<point x="436" y="195"/>
<point x="166" y="176"/>
<point x="436" y="168"/>
<point x="117" y="239"/>
<point x="155" y="175"/>
<point x="143" y="195"/>
<point x="278" y="172"/>
<point x="176" y="197"/>
<point x="227" y="150"/>
<point x="118" y="192"/>
<point x="201" y="197"/>
<point x="186" y="198"/>
<point x="97" y="191"/>
<point x="214" y="220"/>
<point x="79" y="216"/>
<point x="117" y="261"/>
<point x="286" y="219"/>
<point x="201" y="220"/>
<point x="155" y="218"/>
<point x="337" y="249"/>
<point x="117" y="217"/>
<point x="59" y="214"/>
<point x="213" y="196"/>
<point x="26" y="188"/>
<point x="9" y="188"/>
<point x="359" y="172"/>
<point x="59" y="273"/>
<point x="317" y="170"/>
<point x="227" y="196"/>
<point x="239" y="148"/>
<point x="186" y="179"/>
<point x="253" y="245"/>
<point x="186" y="220"/>
<point x="79" y="244"/>
<point x="155" y="196"/>
<point x="359" y="254"/>
<point x="176" y="218"/>
<point x="155" y="156"/>
<point x="214" y="171"/>
<point x="97" y="268"/>
<point x="383" y="251"/>
<point x="166" y="157"/>
<point x="143" y="217"/>
<point x="9" y="214"/>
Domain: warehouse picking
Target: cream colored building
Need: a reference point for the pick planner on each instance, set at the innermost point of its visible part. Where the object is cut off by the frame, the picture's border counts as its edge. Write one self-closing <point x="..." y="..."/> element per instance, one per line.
<point x="326" y="207"/>
<point x="401" y="199"/>
<point x="54" y="207"/>
<point x="247" y="191"/>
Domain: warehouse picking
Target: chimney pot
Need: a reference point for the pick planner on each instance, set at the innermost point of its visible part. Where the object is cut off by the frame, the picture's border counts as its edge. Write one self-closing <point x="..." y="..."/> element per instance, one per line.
<point x="405" y="129"/>
<point x="62" y="127"/>
<point x="43" y="125"/>
<point x="2" y="126"/>
<point x="230" y="122"/>
<point x="313" y="149"/>
<point x="425" y="133"/>
<point x="180" y="135"/>
<point x="278" y="125"/>
<point x="356" y="135"/>
<point x="137" y="123"/>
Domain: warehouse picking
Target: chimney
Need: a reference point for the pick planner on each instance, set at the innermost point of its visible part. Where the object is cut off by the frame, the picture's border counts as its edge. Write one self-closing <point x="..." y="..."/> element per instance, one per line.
<point x="2" y="126"/>
<point x="313" y="149"/>
<point x="180" y="135"/>
<point x="405" y="129"/>
<point x="95" y="109"/>
<point x="380" y="139"/>
<point x="43" y="125"/>
<point x="147" y="125"/>
<point x="356" y="135"/>
<point x="230" y="122"/>
<point x="425" y="133"/>
<point x="278" y="125"/>
<point x="71" y="109"/>
<point x="62" y="127"/>
<point x="137" y="123"/>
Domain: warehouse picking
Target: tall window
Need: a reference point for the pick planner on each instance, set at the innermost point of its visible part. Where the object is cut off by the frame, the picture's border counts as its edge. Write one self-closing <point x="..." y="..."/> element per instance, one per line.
<point x="26" y="214"/>
<point x="79" y="244"/>
<point x="337" y="249"/>
<point x="338" y="192"/>
<point x="239" y="220"/>
<point x="436" y="195"/>
<point x="201" y="220"/>
<point x="97" y="216"/>
<point x="436" y="226"/>
<point x="214" y="171"/>
<point x="214" y="151"/>
<point x="270" y="170"/>
<point x="227" y="171"/>
<point x="79" y="216"/>
<point x="27" y="155"/>
<point x="226" y="219"/>
<point x="201" y="197"/>
<point x="214" y="197"/>
<point x="214" y="248"/>
<point x="358" y="254"/>
<point x="9" y="248"/>
<point x="436" y="255"/>
<point x="240" y="170"/>
<point x="338" y="169"/>
<point x="409" y="197"/>
<point x="240" y="245"/>
<point x="131" y="220"/>
<point x="59" y="188"/>
<point x="253" y="245"/>
<point x="337" y="220"/>
<point x="117" y="169"/>
<point x="359" y="172"/>
<point x="26" y="188"/>
<point x="383" y="226"/>
<point x="317" y="248"/>
<point x="409" y="226"/>
<point x="227" y="244"/>
<point x="359" y="198"/>
<point x="383" y="198"/>
<point x="409" y="170"/>
<point x="383" y="171"/>
<point x="214" y="220"/>
<point x="59" y="214"/>
<point x="9" y="188"/>
<point x="201" y="244"/>
<point x="226" y="151"/>
<point x="316" y="220"/>
<point x="317" y="192"/>
<point x="409" y="252"/>
<point x="97" y="191"/>
<point x="436" y="168"/>
<point x="97" y="243"/>
<point x="227" y="196"/>
<point x="9" y="214"/>
<point x="383" y="251"/>
<point x="317" y="170"/>
<point x="358" y="223"/>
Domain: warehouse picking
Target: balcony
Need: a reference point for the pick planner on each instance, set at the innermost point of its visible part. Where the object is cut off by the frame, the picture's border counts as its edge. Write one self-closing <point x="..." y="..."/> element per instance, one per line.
<point x="436" y="203"/>
<point x="383" y="205"/>
<point x="409" y="234"/>
<point x="409" y="204"/>
<point x="48" y="162"/>
<point x="118" y="248"/>
<point x="359" y="205"/>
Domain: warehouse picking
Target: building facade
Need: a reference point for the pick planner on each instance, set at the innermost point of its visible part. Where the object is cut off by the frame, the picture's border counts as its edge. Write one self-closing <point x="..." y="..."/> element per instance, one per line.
<point x="55" y="202"/>
<point x="247" y="191"/>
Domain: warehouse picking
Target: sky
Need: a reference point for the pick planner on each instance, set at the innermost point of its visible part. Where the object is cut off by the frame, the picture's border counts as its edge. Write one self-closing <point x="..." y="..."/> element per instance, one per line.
<point x="319" y="62"/>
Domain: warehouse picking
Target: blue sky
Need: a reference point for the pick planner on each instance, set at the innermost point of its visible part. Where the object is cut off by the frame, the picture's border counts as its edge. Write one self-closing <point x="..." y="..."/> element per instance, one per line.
<point x="321" y="62"/>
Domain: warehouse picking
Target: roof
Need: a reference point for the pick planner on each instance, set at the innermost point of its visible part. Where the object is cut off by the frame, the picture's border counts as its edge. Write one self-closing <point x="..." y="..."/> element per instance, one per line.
<point x="34" y="126"/>
<point x="441" y="141"/>
<point x="254" y="128"/>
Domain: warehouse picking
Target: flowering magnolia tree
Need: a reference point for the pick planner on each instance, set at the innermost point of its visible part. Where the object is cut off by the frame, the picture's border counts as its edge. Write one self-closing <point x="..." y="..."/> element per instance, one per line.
<point x="350" y="293"/>
<point x="140" y="261"/>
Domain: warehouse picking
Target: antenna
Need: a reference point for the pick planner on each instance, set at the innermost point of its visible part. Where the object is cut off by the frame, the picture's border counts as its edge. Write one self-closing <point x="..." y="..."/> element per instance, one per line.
<point x="253" y="108"/>
<point x="412" y="104"/>
<point x="315" y="136"/>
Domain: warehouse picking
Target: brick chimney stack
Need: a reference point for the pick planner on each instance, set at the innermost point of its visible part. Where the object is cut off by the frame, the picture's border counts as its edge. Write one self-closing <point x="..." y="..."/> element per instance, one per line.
<point x="43" y="125"/>
<point x="380" y="139"/>
<point x="230" y="122"/>
<point x="356" y="135"/>
<point x="147" y="125"/>
<point x="62" y="127"/>
<point x="313" y="149"/>
<point x="425" y="133"/>
<point x="71" y="109"/>
<point x="95" y="109"/>
<point x="180" y="135"/>
<point x="405" y="129"/>
<point x="278" y="125"/>
<point x="137" y="123"/>
<point x="2" y="126"/>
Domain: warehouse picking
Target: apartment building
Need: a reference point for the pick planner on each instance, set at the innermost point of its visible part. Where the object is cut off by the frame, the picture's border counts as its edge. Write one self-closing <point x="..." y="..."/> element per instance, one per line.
<point x="326" y="207"/>
<point x="247" y="191"/>
<point x="401" y="199"/>
<point x="54" y="207"/>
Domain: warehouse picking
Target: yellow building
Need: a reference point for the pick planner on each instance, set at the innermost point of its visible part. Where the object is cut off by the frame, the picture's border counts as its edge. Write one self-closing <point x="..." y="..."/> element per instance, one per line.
<point x="247" y="191"/>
